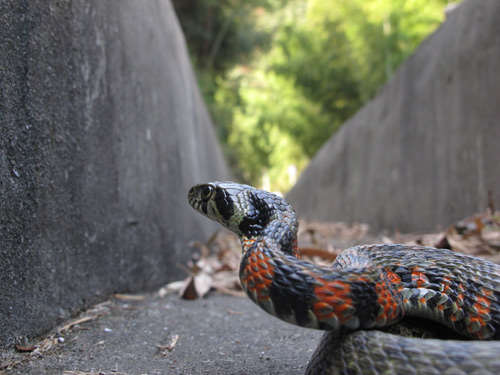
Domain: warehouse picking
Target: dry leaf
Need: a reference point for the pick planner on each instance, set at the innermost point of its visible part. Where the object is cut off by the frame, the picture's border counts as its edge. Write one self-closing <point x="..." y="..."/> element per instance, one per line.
<point x="173" y="287"/>
<point x="74" y="322"/>
<point x="164" y="349"/>
<point x="25" y="348"/>
<point x="189" y="290"/>
<point x="202" y="283"/>
<point x="129" y="297"/>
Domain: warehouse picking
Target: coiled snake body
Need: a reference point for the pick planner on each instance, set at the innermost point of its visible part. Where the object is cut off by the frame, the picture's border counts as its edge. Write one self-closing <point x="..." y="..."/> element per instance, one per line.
<point x="367" y="287"/>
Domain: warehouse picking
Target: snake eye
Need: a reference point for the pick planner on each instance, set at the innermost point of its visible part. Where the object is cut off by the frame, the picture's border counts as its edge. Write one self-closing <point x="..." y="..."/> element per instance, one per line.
<point x="206" y="192"/>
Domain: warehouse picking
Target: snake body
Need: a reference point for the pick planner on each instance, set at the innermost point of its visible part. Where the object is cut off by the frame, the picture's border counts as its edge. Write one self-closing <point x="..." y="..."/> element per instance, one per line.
<point x="368" y="287"/>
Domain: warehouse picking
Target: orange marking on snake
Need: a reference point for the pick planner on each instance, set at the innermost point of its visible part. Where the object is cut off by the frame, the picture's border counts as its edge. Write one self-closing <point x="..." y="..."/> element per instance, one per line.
<point x="248" y="242"/>
<point x="393" y="277"/>
<point x="419" y="278"/>
<point x="333" y="296"/>
<point x="254" y="278"/>
<point x="482" y="305"/>
<point x="482" y="308"/>
<point x="385" y="297"/>
<point x="446" y="285"/>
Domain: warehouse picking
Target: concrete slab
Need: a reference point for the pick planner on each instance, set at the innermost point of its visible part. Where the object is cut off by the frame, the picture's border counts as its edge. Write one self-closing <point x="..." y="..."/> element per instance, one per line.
<point x="102" y="132"/>
<point x="217" y="335"/>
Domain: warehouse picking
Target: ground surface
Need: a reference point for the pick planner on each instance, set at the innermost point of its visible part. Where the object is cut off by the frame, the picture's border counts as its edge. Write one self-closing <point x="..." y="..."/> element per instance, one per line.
<point x="216" y="335"/>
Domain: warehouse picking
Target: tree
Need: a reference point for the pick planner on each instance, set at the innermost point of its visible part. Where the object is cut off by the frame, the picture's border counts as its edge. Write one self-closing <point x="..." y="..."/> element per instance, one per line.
<point x="280" y="76"/>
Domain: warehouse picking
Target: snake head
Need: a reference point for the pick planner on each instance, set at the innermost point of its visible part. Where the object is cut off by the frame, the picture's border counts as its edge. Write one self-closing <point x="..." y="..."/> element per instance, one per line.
<point x="230" y="204"/>
<point x="245" y="210"/>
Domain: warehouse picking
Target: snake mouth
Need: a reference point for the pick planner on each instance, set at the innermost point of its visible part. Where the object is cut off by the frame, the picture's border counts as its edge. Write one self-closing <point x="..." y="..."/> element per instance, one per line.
<point x="193" y="198"/>
<point x="199" y="196"/>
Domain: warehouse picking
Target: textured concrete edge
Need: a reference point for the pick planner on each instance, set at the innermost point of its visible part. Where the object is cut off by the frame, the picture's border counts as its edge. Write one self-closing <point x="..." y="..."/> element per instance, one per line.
<point x="103" y="131"/>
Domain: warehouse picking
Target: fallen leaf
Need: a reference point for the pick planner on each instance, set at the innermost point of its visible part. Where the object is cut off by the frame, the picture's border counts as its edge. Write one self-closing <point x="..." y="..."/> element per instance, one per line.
<point x="163" y="349"/>
<point x="74" y="322"/>
<point x="189" y="290"/>
<point x="129" y="297"/>
<point x="25" y="348"/>
<point x="173" y="287"/>
<point x="202" y="283"/>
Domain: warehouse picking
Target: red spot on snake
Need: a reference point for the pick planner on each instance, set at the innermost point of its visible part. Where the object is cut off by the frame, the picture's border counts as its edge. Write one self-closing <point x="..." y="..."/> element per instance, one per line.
<point x="257" y="275"/>
<point x="418" y="278"/>
<point x="393" y="277"/>
<point x="334" y="300"/>
<point x="247" y="243"/>
<point x="385" y="298"/>
<point x="445" y="285"/>
<point x="481" y="309"/>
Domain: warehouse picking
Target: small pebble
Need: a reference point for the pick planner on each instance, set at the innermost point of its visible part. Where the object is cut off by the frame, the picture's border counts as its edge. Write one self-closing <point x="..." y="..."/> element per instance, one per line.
<point x="60" y="340"/>
<point x="108" y="329"/>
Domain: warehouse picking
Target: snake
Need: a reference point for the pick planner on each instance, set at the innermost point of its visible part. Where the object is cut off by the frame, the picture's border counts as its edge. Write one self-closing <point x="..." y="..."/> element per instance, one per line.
<point x="367" y="289"/>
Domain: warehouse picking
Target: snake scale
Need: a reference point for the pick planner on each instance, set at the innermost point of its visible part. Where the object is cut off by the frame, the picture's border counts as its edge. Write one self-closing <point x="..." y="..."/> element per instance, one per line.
<point x="367" y="288"/>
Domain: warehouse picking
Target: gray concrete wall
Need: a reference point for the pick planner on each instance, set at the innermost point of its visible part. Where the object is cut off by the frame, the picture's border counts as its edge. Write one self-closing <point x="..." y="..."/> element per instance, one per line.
<point x="426" y="150"/>
<point x="102" y="132"/>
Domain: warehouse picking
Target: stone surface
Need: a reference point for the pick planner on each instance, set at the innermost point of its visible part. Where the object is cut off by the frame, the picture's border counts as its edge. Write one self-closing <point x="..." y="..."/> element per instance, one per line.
<point x="216" y="335"/>
<point x="102" y="132"/>
<point x="425" y="152"/>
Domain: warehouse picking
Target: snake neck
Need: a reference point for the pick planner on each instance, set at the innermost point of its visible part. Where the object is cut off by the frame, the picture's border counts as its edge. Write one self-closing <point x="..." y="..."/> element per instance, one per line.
<point x="279" y="236"/>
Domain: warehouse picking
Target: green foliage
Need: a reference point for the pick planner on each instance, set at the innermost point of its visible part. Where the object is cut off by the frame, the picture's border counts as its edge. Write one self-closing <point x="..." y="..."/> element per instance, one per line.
<point x="280" y="76"/>
<point x="268" y="130"/>
<point x="321" y="70"/>
<point x="222" y="33"/>
<point x="380" y="34"/>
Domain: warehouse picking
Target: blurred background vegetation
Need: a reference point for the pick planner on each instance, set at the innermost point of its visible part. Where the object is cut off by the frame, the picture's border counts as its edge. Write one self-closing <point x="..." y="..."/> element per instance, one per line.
<point x="280" y="76"/>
